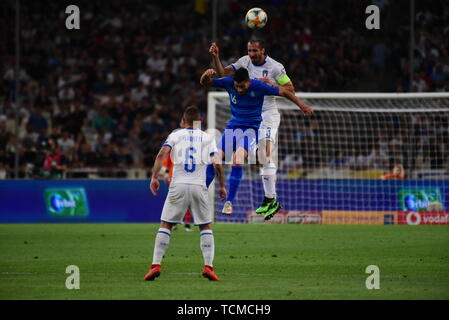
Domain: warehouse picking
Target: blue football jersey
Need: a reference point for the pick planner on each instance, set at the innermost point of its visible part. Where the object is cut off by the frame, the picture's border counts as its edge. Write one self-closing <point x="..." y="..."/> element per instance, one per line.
<point x="246" y="109"/>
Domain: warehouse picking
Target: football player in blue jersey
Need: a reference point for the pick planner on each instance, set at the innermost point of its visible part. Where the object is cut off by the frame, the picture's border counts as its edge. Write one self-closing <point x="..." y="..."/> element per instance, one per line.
<point x="240" y="137"/>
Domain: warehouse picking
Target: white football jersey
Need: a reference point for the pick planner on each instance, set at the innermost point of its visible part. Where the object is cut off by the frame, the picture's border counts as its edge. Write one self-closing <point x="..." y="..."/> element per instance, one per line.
<point x="270" y="69"/>
<point x="191" y="151"/>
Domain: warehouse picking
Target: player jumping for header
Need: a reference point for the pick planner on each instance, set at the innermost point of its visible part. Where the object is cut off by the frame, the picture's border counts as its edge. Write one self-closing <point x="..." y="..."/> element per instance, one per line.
<point x="240" y="136"/>
<point x="265" y="68"/>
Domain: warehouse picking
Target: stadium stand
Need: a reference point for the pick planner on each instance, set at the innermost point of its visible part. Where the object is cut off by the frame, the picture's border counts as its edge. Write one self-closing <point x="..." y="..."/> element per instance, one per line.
<point x="110" y="92"/>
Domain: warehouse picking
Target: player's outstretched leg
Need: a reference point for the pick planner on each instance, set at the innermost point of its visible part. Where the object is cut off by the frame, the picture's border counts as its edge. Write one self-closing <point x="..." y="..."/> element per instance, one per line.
<point x="160" y="247"/>
<point x="208" y="250"/>
<point x="270" y="205"/>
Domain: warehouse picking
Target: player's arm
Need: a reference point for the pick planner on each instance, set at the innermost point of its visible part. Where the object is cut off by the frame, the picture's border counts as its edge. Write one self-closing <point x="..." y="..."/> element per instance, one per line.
<point x="206" y="77"/>
<point x="218" y="66"/>
<point x="282" y="80"/>
<point x="219" y="174"/>
<point x="289" y="86"/>
<point x="158" y="162"/>
<point x="287" y="93"/>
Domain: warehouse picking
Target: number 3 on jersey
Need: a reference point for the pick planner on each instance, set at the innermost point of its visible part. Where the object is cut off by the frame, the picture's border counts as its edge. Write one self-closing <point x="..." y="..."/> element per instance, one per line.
<point x="189" y="160"/>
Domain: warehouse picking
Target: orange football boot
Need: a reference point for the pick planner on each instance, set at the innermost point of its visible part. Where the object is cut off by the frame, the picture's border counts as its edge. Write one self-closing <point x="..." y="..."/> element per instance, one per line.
<point x="153" y="273"/>
<point x="209" y="273"/>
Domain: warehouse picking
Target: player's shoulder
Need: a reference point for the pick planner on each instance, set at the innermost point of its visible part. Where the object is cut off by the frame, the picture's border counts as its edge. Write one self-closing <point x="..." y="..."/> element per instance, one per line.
<point x="224" y="80"/>
<point x="243" y="61"/>
<point x="256" y="83"/>
<point x="274" y="63"/>
<point x="205" y="136"/>
<point x="244" y="58"/>
<point x="260" y="86"/>
<point x="176" y="133"/>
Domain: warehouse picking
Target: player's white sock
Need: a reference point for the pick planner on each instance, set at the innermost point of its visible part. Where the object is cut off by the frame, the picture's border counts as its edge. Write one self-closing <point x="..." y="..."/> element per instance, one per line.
<point x="268" y="173"/>
<point x="161" y="245"/>
<point x="207" y="246"/>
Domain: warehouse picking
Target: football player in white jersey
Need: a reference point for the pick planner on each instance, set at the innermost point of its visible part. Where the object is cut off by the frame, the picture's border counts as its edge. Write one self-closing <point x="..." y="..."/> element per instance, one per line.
<point x="192" y="150"/>
<point x="262" y="67"/>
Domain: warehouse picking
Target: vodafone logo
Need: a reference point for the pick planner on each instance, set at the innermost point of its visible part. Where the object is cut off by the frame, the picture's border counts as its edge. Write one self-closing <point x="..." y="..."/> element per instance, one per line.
<point x="413" y="218"/>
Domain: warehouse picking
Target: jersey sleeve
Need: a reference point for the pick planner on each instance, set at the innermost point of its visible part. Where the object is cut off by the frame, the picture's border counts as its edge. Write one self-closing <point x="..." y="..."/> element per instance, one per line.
<point x="221" y="82"/>
<point x="266" y="89"/>
<point x="281" y="75"/>
<point x="240" y="63"/>
<point x="170" y="142"/>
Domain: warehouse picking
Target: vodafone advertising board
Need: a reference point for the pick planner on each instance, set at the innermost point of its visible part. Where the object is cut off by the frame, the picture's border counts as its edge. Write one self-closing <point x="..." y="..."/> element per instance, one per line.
<point x="422" y="217"/>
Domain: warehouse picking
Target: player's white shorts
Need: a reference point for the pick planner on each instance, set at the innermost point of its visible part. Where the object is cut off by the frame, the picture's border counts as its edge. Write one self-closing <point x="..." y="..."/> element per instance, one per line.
<point x="183" y="196"/>
<point x="270" y="125"/>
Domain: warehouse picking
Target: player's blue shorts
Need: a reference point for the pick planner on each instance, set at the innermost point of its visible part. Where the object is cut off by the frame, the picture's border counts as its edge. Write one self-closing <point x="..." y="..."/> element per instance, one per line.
<point x="236" y="137"/>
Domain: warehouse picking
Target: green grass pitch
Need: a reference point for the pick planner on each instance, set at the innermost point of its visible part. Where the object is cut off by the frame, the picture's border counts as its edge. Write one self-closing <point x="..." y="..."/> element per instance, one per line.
<point x="253" y="262"/>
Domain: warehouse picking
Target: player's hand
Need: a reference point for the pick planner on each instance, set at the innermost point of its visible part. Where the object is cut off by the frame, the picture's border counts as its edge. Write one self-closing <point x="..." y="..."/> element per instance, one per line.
<point x="306" y="110"/>
<point x="210" y="72"/>
<point x="167" y="179"/>
<point x="223" y="193"/>
<point x="213" y="50"/>
<point x="267" y="81"/>
<point x="154" y="186"/>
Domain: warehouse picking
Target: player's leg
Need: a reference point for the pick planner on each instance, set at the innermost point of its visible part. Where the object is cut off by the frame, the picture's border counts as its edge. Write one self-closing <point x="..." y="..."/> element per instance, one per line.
<point x="246" y="144"/>
<point x="235" y="178"/>
<point x="268" y="174"/>
<point x="174" y="209"/>
<point x="207" y="245"/>
<point x="160" y="247"/>
<point x="200" y="211"/>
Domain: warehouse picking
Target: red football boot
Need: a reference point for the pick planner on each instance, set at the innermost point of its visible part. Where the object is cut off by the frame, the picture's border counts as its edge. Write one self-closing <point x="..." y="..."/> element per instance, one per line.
<point x="153" y="273"/>
<point x="209" y="273"/>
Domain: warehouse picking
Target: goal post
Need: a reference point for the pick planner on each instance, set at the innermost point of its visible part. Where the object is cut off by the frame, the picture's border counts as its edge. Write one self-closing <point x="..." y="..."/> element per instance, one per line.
<point x="332" y="164"/>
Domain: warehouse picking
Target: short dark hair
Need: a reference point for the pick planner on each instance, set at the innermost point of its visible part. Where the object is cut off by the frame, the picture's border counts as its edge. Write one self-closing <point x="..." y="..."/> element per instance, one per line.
<point x="191" y="114"/>
<point x="241" y="75"/>
<point x="259" y="41"/>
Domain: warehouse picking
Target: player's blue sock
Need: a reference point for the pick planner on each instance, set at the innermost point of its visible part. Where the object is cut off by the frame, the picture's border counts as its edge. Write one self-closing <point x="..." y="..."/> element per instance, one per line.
<point x="210" y="174"/>
<point x="234" y="182"/>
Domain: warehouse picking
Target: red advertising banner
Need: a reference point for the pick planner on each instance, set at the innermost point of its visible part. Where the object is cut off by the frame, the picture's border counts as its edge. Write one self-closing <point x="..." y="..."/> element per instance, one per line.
<point x="416" y="218"/>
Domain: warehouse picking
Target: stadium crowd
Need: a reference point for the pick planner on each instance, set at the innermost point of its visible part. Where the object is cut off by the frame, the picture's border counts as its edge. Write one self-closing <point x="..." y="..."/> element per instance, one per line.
<point x="107" y="95"/>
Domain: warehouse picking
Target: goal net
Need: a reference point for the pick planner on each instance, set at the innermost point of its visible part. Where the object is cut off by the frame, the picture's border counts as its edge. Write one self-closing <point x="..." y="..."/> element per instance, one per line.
<point x="332" y="165"/>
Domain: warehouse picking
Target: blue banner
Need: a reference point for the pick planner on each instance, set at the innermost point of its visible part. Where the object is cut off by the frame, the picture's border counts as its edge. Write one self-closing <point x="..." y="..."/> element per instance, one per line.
<point x="345" y="194"/>
<point x="30" y="201"/>
<point x="80" y="201"/>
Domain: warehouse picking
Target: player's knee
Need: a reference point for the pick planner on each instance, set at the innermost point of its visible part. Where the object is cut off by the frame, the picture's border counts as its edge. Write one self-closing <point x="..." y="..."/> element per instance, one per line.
<point x="205" y="227"/>
<point x="239" y="157"/>
<point x="167" y="225"/>
<point x="268" y="169"/>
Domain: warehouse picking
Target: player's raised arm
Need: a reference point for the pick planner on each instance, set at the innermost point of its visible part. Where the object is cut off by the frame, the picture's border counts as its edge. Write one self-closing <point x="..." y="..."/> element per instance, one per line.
<point x="285" y="92"/>
<point x="221" y="71"/>
<point x="158" y="162"/>
<point x="206" y="77"/>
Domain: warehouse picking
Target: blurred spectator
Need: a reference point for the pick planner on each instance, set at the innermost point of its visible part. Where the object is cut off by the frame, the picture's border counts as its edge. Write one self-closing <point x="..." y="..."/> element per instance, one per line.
<point x="55" y="162"/>
<point x="340" y="161"/>
<point x="398" y="172"/>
